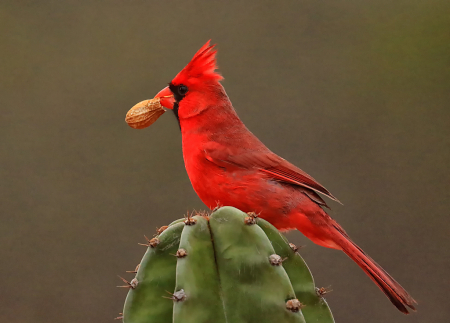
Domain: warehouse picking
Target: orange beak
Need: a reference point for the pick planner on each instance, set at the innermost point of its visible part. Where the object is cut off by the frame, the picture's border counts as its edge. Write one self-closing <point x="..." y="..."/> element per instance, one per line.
<point x="166" y="98"/>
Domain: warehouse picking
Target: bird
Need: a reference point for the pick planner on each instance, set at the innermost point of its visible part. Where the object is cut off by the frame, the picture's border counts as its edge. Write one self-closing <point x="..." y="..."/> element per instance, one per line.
<point x="229" y="166"/>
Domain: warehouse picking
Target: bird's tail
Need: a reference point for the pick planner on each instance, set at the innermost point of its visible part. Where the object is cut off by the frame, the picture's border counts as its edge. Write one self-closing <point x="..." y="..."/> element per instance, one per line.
<point x="393" y="290"/>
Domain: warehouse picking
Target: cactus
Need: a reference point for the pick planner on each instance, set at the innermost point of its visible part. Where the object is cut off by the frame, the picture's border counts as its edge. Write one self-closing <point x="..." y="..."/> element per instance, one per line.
<point x="228" y="267"/>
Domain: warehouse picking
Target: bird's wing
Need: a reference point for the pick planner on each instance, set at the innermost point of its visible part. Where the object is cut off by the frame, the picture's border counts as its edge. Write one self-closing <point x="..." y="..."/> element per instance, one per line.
<point x="269" y="163"/>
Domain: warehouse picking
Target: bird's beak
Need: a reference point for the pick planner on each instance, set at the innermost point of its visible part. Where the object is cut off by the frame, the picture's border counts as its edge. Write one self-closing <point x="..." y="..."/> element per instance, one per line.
<point x="166" y="98"/>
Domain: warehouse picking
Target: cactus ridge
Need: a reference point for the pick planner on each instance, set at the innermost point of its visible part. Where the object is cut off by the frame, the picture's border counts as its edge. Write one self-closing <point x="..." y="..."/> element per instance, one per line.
<point x="230" y="267"/>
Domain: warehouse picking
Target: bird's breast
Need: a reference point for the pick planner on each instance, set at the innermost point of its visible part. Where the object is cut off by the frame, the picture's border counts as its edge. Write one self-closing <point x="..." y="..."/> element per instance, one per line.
<point x="246" y="189"/>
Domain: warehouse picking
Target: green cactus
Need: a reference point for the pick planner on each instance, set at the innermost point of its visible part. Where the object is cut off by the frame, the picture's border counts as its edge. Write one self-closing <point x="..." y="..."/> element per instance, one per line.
<point x="228" y="267"/>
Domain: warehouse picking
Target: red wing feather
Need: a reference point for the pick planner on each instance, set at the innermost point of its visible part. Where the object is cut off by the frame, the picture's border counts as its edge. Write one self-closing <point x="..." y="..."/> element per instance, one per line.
<point x="296" y="176"/>
<point x="268" y="163"/>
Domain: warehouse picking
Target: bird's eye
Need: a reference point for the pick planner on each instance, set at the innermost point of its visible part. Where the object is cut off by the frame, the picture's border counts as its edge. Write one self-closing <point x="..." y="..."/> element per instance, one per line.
<point x="182" y="89"/>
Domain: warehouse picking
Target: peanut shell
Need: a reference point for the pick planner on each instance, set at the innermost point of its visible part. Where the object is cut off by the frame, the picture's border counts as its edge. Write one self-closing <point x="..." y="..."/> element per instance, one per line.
<point x="144" y="114"/>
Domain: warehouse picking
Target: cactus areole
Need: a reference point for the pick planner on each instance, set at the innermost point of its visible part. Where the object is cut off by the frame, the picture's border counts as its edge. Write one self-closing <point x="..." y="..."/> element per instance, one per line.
<point x="223" y="268"/>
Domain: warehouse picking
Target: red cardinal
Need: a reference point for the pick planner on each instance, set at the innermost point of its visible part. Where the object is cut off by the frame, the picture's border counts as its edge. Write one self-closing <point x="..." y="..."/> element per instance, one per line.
<point x="228" y="165"/>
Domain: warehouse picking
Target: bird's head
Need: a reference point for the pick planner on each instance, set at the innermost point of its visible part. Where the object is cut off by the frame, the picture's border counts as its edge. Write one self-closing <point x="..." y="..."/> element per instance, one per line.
<point x="190" y="91"/>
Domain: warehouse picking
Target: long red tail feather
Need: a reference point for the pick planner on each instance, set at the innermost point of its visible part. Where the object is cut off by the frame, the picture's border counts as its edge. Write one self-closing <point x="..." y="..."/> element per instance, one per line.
<point x="393" y="290"/>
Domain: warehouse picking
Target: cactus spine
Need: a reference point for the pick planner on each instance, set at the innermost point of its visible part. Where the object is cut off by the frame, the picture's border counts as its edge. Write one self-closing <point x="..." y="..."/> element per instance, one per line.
<point x="229" y="267"/>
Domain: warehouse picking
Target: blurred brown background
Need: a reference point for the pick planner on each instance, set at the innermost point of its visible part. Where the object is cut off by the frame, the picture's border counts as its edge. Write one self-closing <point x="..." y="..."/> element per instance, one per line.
<point x="356" y="93"/>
